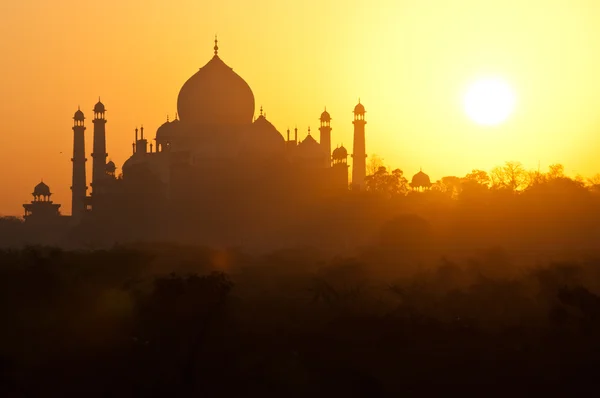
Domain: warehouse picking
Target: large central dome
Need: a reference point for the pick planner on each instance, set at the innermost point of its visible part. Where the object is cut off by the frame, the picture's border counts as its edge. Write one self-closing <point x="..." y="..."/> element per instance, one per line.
<point x="216" y="95"/>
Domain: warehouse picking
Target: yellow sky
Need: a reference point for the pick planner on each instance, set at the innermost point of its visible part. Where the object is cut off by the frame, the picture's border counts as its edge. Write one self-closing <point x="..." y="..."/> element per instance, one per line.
<point x="409" y="61"/>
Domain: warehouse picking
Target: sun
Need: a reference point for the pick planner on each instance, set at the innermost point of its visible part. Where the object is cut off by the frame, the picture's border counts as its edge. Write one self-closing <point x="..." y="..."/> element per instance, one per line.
<point x="489" y="102"/>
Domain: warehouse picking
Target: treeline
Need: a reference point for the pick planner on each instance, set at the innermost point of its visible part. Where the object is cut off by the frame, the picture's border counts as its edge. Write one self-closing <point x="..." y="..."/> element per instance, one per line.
<point x="512" y="176"/>
<point x="535" y="216"/>
<point x="163" y="320"/>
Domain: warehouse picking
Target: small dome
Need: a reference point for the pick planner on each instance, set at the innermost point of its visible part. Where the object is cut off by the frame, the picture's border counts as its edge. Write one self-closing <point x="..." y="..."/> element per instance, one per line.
<point x="340" y="153"/>
<point x="359" y="108"/>
<point x="79" y="115"/>
<point x="325" y="116"/>
<point x="309" y="141"/>
<point x="264" y="139"/>
<point x="310" y="148"/>
<point x="420" y="180"/>
<point x="164" y="131"/>
<point x="111" y="167"/>
<point x="99" y="107"/>
<point x="41" y="189"/>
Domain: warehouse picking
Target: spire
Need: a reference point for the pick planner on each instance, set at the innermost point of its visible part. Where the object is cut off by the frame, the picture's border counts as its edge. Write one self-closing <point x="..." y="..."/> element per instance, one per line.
<point x="261" y="110"/>
<point x="216" y="48"/>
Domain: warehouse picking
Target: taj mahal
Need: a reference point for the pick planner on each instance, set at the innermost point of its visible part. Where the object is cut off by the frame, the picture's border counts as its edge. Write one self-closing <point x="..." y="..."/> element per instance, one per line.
<point x="215" y="171"/>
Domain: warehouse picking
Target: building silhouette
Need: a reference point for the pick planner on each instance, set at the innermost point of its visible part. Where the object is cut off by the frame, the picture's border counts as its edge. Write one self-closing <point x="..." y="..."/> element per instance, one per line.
<point x="78" y="186"/>
<point x="215" y="171"/>
<point x="41" y="209"/>
<point x="359" y="155"/>
<point x="420" y="182"/>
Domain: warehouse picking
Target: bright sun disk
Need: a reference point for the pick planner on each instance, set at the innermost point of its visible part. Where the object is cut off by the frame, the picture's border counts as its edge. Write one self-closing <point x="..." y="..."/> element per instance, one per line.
<point x="489" y="102"/>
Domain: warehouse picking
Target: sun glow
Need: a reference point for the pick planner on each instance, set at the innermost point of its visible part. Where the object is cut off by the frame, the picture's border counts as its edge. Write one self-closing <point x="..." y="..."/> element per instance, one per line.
<point x="489" y="102"/>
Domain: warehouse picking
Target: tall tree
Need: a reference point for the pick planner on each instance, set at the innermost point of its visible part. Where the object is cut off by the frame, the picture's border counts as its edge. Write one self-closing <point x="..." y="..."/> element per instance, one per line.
<point x="511" y="176"/>
<point x="386" y="183"/>
<point x="478" y="176"/>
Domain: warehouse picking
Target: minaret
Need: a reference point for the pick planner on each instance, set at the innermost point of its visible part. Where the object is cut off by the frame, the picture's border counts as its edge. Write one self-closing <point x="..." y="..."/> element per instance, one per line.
<point x="325" y="138"/>
<point x="78" y="187"/>
<point x="359" y="156"/>
<point x="141" y="145"/>
<point x="99" y="154"/>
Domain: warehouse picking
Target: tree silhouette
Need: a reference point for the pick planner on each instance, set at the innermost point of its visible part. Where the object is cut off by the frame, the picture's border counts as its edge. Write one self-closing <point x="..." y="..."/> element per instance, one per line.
<point x="450" y="185"/>
<point x="556" y="171"/>
<point x="382" y="182"/>
<point x="478" y="177"/>
<point x="374" y="163"/>
<point x="512" y="176"/>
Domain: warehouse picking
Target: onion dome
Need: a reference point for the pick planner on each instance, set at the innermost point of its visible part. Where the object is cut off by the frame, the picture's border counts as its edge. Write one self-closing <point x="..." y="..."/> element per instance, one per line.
<point x="325" y="116"/>
<point x="359" y="108"/>
<point x="310" y="149"/>
<point x="216" y="95"/>
<point x="79" y="115"/>
<point x="41" y="189"/>
<point x="111" y="167"/>
<point x="420" y="180"/>
<point x="264" y="139"/>
<point x="99" y="107"/>
<point x="339" y="155"/>
<point x="164" y="131"/>
<point x="132" y="162"/>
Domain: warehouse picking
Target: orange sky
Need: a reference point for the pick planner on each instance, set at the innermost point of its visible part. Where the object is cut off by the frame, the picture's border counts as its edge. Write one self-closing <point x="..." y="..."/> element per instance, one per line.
<point x="409" y="61"/>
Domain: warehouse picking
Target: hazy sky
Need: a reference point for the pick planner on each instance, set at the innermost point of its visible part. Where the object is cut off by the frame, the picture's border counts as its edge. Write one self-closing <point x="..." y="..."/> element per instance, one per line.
<point x="409" y="61"/>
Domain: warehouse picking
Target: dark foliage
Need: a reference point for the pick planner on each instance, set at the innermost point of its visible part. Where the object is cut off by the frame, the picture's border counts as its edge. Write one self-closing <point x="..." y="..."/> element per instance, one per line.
<point x="166" y="320"/>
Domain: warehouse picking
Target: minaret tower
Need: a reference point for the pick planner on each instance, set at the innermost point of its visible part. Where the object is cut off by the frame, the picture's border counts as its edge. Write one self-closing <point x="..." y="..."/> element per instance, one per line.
<point x="99" y="154"/>
<point x="359" y="155"/>
<point x="78" y="187"/>
<point x="325" y="138"/>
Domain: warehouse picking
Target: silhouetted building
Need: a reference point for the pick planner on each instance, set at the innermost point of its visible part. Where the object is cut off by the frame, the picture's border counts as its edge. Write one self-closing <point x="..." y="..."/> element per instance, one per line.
<point x="215" y="171"/>
<point x="420" y="181"/>
<point x="78" y="186"/>
<point x="325" y="138"/>
<point x="99" y="154"/>
<point x="41" y="209"/>
<point x="359" y="155"/>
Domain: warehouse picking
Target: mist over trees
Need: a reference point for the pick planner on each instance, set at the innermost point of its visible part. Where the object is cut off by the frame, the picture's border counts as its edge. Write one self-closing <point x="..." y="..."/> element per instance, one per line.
<point x="489" y="280"/>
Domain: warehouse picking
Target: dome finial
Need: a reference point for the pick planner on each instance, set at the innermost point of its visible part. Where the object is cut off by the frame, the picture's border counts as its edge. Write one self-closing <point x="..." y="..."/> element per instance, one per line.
<point x="261" y="110"/>
<point x="216" y="48"/>
<point x="167" y="118"/>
